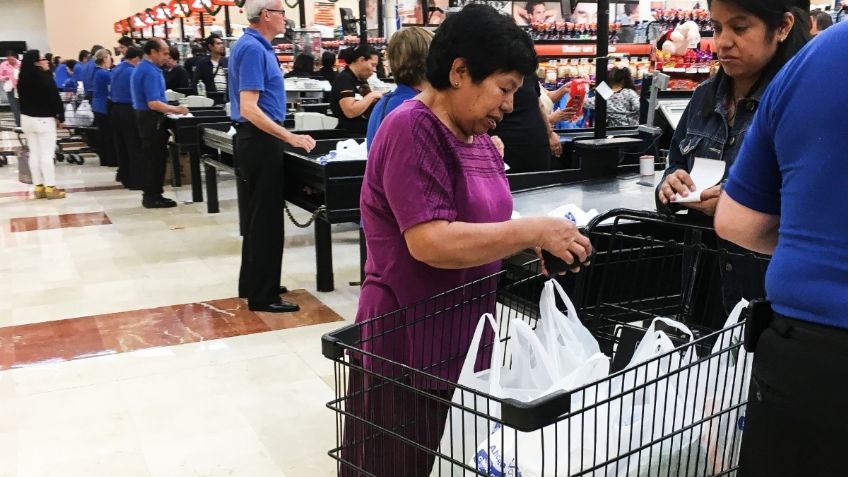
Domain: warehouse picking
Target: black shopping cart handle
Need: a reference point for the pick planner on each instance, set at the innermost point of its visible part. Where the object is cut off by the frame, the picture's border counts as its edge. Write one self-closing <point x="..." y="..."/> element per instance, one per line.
<point x="555" y="265"/>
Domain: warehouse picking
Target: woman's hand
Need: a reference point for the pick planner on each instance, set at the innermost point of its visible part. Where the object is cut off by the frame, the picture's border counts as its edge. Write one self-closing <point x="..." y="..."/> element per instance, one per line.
<point x="708" y="203"/>
<point x="678" y="182"/>
<point x="556" y="145"/>
<point x="499" y="145"/>
<point x="559" y="115"/>
<point x="562" y="238"/>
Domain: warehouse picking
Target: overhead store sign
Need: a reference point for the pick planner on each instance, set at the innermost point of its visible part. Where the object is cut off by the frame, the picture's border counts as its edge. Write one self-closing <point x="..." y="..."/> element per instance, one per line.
<point x="138" y="22"/>
<point x="180" y="8"/>
<point x="225" y="3"/>
<point x="204" y="6"/>
<point x="163" y="13"/>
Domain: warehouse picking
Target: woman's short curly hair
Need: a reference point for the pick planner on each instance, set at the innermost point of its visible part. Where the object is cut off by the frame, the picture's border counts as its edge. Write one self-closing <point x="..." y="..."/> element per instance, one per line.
<point x="488" y="41"/>
<point x="407" y="54"/>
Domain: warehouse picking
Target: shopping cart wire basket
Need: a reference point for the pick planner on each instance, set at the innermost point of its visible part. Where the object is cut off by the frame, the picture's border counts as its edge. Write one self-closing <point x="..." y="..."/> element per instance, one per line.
<point x="679" y="413"/>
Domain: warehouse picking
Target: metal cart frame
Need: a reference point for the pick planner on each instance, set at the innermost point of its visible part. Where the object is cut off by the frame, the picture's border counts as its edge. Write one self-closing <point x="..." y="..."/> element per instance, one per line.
<point x="391" y="403"/>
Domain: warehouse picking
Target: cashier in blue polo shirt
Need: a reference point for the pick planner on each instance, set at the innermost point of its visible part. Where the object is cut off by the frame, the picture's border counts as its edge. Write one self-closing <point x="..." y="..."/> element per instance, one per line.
<point x="785" y="196"/>
<point x="89" y="72"/>
<point x="127" y="143"/>
<point x="151" y="106"/>
<point x="81" y="68"/>
<point x="258" y="100"/>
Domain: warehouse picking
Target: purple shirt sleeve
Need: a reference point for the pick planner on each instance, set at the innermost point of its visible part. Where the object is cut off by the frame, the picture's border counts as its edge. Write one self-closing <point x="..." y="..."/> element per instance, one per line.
<point x="418" y="179"/>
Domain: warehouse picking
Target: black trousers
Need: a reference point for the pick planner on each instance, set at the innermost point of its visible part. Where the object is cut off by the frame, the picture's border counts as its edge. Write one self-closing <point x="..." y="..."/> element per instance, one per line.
<point x="259" y="157"/>
<point x="105" y="140"/>
<point x="127" y="146"/>
<point x="797" y="419"/>
<point x="527" y="158"/>
<point x="154" y="147"/>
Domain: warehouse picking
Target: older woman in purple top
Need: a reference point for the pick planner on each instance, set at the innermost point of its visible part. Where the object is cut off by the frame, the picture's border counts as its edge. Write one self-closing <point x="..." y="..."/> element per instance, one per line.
<point x="436" y="209"/>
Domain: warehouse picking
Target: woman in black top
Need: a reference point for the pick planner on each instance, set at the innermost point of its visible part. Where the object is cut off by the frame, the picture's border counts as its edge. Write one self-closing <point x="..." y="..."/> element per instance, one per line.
<point x="328" y="67"/>
<point x="304" y="67"/>
<point x="41" y="113"/>
<point x="351" y="99"/>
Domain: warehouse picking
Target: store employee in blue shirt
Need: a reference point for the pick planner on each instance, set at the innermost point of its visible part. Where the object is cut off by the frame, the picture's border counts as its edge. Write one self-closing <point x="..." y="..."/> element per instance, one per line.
<point x="127" y="143"/>
<point x="258" y="101"/>
<point x="785" y="197"/>
<point x="89" y="72"/>
<point x="151" y="106"/>
<point x="101" y="105"/>
<point x="82" y="67"/>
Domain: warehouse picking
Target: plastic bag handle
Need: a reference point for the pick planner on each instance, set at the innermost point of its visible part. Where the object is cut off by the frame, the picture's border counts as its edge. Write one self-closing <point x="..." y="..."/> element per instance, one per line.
<point x="522" y="329"/>
<point x="471" y="357"/>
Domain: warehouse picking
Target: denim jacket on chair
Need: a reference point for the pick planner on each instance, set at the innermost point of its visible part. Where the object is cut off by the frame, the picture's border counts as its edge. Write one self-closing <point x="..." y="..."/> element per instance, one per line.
<point x="711" y="137"/>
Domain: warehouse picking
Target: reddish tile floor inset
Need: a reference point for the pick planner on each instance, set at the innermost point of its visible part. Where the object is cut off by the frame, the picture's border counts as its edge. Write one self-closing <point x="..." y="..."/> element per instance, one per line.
<point x="78" y="338"/>
<point x="28" y="224"/>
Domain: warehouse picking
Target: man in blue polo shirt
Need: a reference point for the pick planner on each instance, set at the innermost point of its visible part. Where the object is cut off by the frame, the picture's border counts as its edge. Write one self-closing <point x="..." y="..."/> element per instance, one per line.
<point x="258" y="101"/>
<point x="151" y="106"/>
<point x="88" y="73"/>
<point x="127" y="143"/>
<point x="82" y="67"/>
<point x="785" y="197"/>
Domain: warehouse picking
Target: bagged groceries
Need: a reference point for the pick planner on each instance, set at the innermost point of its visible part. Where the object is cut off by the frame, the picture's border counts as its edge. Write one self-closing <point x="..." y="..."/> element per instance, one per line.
<point x="81" y="116"/>
<point x="668" y="412"/>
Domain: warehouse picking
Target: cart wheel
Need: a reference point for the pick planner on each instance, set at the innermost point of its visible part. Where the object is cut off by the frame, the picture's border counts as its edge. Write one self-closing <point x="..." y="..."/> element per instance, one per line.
<point x="60" y="157"/>
<point x="80" y="160"/>
<point x="70" y="159"/>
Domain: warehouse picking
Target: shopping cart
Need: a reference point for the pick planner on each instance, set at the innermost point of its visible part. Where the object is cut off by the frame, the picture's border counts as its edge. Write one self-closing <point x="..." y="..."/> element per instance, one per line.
<point x="392" y="404"/>
<point x="77" y="136"/>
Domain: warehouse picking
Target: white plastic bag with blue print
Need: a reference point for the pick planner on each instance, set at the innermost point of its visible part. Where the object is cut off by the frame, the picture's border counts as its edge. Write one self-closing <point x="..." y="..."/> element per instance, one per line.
<point x="469" y="421"/>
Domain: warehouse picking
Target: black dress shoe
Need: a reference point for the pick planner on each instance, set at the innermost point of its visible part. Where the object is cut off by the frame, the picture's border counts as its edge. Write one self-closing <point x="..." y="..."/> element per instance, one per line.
<point x="281" y="306"/>
<point x="158" y="203"/>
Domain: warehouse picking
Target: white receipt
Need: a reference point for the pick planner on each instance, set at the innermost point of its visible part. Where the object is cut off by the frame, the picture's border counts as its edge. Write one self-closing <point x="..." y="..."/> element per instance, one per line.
<point x="604" y="90"/>
<point x="705" y="174"/>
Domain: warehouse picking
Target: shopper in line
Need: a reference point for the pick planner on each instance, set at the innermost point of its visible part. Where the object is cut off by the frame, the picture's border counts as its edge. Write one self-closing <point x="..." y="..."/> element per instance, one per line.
<point x="258" y="99"/>
<point x="127" y="143"/>
<point x="328" y="67"/>
<point x="101" y="104"/>
<point x="82" y="66"/>
<point x="197" y="54"/>
<point x="623" y="104"/>
<point x="785" y="198"/>
<point x="303" y="67"/>
<point x="407" y="52"/>
<point x="9" y="73"/>
<point x="212" y="69"/>
<point x="437" y="208"/>
<point x="151" y="105"/>
<point x="351" y="99"/>
<point x="41" y="113"/>
<point x="176" y="76"/>
<point x="821" y="21"/>
<point x="528" y="138"/>
<point x="754" y="39"/>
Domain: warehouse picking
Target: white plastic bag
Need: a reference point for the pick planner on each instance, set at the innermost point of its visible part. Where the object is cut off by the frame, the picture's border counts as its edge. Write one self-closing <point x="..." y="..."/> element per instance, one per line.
<point x="84" y="114"/>
<point x="529" y="376"/>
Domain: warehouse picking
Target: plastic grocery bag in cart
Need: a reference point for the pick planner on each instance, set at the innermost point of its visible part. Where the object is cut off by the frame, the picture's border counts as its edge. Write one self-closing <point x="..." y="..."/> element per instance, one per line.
<point x="81" y="116"/>
<point x="560" y="354"/>
<point x="628" y="416"/>
<point x="529" y="377"/>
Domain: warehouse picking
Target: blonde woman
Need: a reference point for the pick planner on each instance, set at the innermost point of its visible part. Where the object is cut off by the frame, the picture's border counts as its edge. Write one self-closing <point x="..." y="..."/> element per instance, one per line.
<point x="407" y="54"/>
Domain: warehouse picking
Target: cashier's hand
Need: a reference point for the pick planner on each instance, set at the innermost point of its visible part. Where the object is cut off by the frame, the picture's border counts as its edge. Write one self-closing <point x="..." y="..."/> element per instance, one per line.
<point x="180" y="110"/>
<point x="562" y="238"/>
<point x="709" y="201"/>
<point x="556" y="145"/>
<point x="678" y="182"/>
<point x="499" y="145"/>
<point x="301" y="141"/>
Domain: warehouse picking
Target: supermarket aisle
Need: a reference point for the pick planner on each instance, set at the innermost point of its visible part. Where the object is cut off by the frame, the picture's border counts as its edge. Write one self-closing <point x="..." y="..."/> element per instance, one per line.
<point x="98" y="294"/>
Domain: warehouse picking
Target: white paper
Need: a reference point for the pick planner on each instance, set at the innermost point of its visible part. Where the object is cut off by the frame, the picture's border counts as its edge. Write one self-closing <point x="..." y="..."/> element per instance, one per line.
<point x="604" y="90"/>
<point x="705" y="174"/>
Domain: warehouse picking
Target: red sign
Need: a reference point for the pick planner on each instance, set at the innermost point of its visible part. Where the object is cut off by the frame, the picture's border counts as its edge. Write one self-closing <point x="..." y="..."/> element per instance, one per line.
<point x="224" y="3"/>
<point x="118" y="27"/>
<point x="201" y="6"/>
<point x="138" y="22"/>
<point x="162" y="13"/>
<point x="180" y="8"/>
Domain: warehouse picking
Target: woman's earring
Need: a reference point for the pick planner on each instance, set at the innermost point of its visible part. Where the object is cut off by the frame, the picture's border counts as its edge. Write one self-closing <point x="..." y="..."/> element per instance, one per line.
<point x="456" y="85"/>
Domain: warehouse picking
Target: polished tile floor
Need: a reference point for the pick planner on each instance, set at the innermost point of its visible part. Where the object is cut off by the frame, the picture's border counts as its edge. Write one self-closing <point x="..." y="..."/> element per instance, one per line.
<point x="124" y="353"/>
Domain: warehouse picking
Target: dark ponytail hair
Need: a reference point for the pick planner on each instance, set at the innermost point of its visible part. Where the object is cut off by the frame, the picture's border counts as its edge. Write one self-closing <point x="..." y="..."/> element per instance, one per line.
<point x="771" y="12"/>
